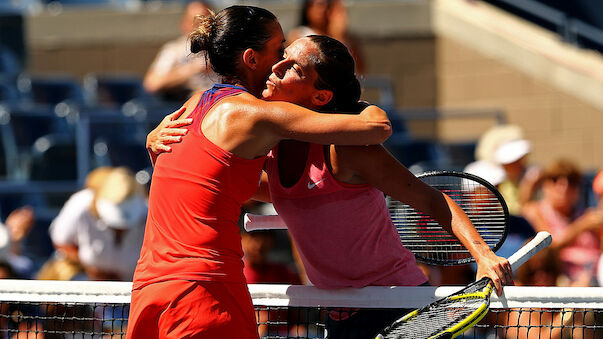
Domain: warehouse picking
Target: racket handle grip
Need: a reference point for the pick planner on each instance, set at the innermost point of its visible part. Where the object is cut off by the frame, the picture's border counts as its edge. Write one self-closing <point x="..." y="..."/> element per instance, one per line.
<point x="256" y="222"/>
<point x="540" y="241"/>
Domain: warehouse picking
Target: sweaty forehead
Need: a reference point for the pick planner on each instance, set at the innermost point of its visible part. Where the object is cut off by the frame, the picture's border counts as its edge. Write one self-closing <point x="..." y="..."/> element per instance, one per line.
<point x="303" y="50"/>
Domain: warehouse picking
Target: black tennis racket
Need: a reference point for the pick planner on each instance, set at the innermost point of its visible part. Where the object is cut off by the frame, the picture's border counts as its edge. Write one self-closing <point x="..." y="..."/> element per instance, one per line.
<point x="422" y="235"/>
<point x="429" y="241"/>
<point x="453" y="315"/>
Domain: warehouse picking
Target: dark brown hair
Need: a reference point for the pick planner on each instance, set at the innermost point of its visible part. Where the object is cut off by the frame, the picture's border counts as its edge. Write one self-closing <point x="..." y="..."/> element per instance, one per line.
<point x="335" y="67"/>
<point x="228" y="34"/>
<point x="563" y="168"/>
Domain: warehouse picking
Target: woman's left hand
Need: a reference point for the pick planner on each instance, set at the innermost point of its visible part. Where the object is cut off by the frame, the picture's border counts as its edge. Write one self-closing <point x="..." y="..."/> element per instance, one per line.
<point x="167" y="132"/>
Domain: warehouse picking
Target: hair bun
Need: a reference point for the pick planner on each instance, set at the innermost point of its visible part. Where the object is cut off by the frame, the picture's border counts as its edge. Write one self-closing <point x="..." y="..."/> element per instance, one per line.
<point x="201" y="36"/>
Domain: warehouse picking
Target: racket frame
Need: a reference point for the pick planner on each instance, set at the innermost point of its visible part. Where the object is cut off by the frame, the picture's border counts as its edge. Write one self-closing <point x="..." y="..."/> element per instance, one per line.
<point x="540" y="241"/>
<point x="481" y="181"/>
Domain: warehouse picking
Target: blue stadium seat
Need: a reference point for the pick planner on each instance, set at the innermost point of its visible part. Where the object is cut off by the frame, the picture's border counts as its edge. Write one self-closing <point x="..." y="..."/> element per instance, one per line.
<point x="589" y="197"/>
<point x="53" y="158"/>
<point x="128" y="152"/>
<point x="9" y="94"/>
<point x="9" y="155"/>
<point x="51" y="89"/>
<point x="410" y="151"/>
<point x="459" y="154"/>
<point x="111" y="123"/>
<point x="28" y="123"/>
<point x="9" y="64"/>
<point x="115" y="90"/>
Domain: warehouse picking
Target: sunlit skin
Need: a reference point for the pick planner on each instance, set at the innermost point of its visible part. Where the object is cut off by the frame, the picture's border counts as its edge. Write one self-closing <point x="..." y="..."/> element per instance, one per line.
<point x="264" y="59"/>
<point x="293" y="77"/>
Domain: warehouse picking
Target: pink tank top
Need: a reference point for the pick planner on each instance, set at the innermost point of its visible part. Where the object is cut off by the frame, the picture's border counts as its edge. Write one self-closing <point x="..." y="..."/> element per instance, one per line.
<point x="343" y="232"/>
<point x="583" y="253"/>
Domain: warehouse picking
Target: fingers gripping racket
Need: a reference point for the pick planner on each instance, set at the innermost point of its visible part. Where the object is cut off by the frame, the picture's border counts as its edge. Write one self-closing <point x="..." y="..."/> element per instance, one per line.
<point x="453" y="315"/>
<point x="422" y="235"/>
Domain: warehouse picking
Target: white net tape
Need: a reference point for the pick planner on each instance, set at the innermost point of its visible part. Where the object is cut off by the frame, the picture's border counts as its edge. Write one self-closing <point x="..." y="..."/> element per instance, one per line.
<point x="297" y="295"/>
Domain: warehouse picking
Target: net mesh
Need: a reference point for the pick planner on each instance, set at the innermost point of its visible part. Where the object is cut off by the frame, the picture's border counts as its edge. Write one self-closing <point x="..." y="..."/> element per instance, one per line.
<point x="429" y="241"/>
<point x="49" y="309"/>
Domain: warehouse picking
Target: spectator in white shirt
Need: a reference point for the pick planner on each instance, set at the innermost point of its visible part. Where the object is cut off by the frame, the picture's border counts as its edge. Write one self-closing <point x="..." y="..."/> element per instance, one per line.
<point x="102" y="228"/>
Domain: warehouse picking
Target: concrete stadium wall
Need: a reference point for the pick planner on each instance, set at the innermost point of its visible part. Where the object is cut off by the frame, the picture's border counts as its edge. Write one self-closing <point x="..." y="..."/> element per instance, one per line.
<point x="420" y="44"/>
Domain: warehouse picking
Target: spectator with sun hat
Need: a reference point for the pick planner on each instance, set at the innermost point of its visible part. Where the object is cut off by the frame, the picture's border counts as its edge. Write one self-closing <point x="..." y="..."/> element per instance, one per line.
<point x="102" y="227"/>
<point x="506" y="145"/>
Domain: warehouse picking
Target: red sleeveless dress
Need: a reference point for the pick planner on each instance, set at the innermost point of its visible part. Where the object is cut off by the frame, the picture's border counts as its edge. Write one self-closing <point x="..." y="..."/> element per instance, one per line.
<point x="189" y="279"/>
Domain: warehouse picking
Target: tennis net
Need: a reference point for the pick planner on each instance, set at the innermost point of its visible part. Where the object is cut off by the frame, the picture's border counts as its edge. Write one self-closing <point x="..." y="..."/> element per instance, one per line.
<point x="66" y="309"/>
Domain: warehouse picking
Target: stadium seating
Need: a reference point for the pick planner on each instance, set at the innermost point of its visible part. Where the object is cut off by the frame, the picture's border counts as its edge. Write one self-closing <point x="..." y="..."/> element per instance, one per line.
<point x="8" y="152"/>
<point x="9" y="65"/>
<point x="128" y="152"/>
<point x="51" y="89"/>
<point x="114" y="90"/>
<point x="53" y="158"/>
<point x="28" y="123"/>
<point x="9" y="94"/>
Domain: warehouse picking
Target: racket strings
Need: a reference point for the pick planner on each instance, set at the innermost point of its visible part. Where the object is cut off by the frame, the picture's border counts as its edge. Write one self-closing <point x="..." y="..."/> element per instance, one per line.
<point x="429" y="241"/>
<point x="436" y="318"/>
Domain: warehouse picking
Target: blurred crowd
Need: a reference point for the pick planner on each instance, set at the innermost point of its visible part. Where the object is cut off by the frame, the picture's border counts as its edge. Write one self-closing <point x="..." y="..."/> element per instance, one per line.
<point x="98" y="233"/>
<point x="557" y="197"/>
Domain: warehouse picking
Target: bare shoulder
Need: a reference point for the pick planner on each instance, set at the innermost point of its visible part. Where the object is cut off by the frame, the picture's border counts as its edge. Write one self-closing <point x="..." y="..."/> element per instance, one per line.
<point x="240" y="104"/>
<point x="191" y="104"/>
<point x="241" y="113"/>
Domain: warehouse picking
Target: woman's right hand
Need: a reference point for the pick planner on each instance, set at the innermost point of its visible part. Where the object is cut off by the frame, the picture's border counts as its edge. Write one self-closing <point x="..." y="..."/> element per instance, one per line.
<point x="167" y="132"/>
<point x="374" y="113"/>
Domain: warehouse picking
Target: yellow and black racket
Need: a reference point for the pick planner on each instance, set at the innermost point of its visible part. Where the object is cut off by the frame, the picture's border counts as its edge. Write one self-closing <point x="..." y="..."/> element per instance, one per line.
<point x="453" y="315"/>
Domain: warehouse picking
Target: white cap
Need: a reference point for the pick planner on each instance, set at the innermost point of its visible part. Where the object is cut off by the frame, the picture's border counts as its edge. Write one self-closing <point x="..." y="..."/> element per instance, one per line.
<point x="512" y="151"/>
<point x="124" y="215"/>
<point x="492" y="173"/>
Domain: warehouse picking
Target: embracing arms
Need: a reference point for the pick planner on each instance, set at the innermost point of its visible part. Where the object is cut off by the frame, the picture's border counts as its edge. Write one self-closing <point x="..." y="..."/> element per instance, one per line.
<point x="250" y="127"/>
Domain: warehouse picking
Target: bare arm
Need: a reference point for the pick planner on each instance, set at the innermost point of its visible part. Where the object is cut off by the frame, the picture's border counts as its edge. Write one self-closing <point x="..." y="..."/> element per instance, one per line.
<point x="591" y="220"/>
<point x="284" y="120"/>
<point x="250" y="127"/>
<point x="359" y="163"/>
